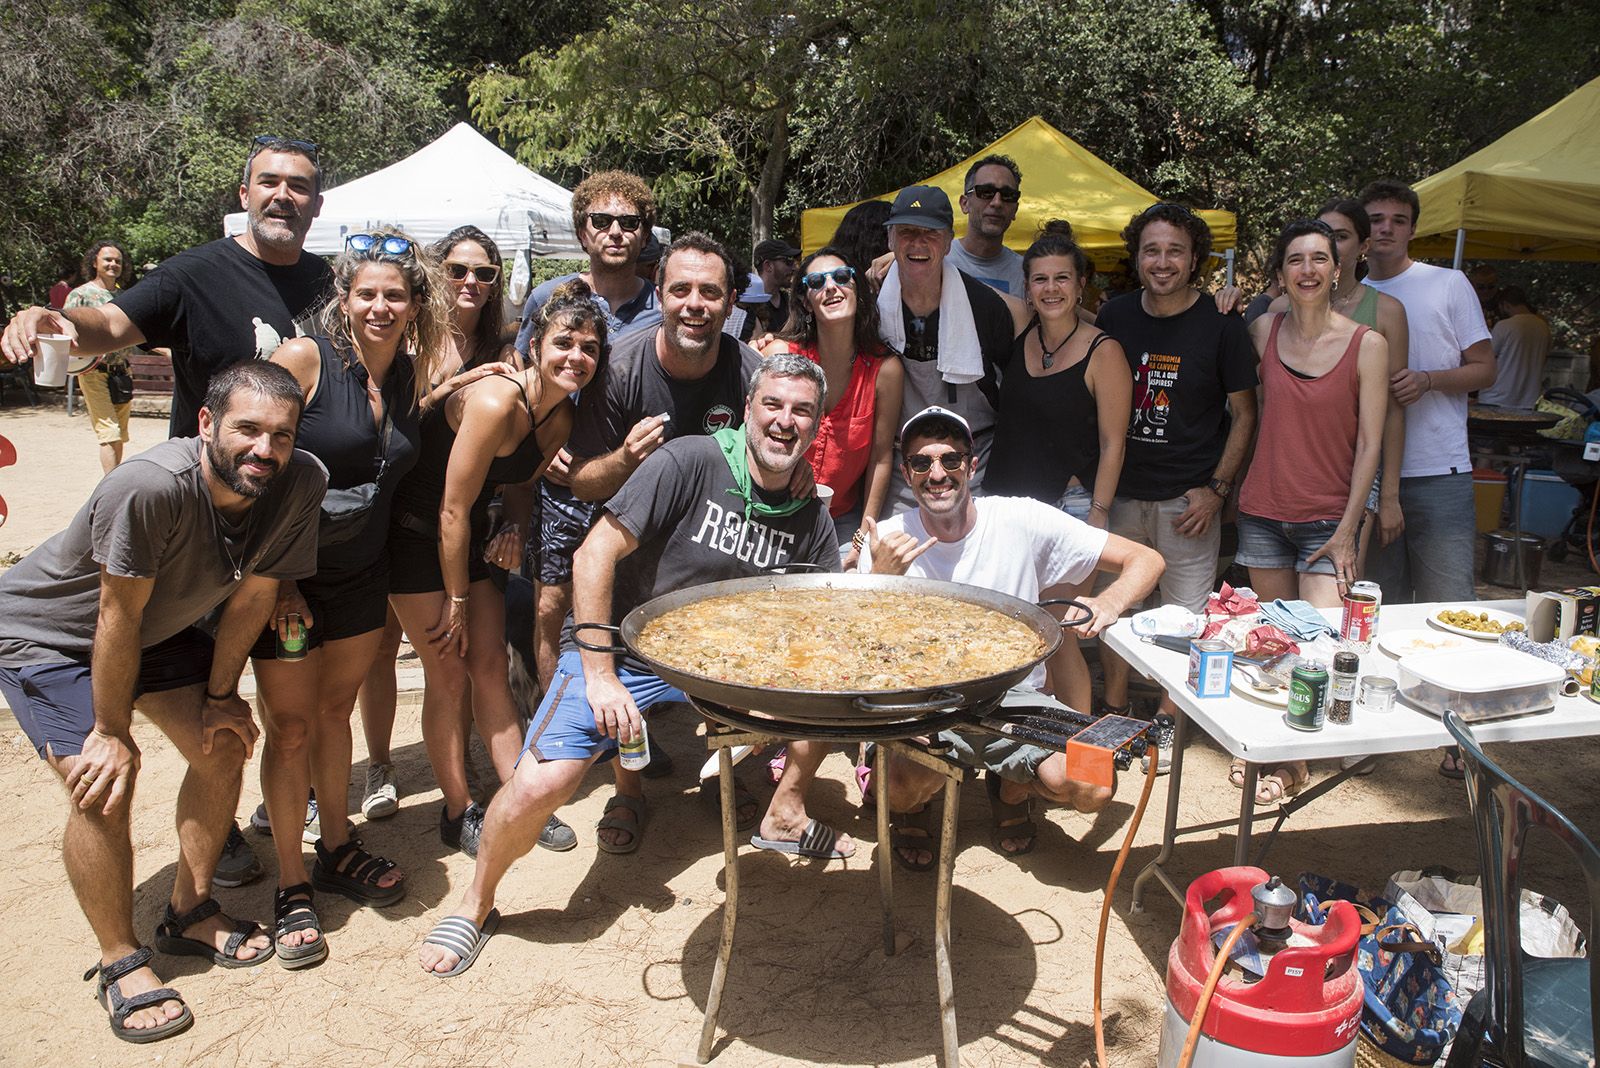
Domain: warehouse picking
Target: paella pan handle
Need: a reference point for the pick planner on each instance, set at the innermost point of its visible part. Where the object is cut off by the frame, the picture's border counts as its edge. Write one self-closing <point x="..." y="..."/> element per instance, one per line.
<point x="617" y="648"/>
<point x="794" y="568"/>
<point x="1067" y="624"/>
<point x="940" y="699"/>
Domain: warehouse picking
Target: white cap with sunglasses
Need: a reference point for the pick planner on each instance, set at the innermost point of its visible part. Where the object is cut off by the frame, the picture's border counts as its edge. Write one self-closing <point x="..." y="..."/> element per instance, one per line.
<point x="936" y="414"/>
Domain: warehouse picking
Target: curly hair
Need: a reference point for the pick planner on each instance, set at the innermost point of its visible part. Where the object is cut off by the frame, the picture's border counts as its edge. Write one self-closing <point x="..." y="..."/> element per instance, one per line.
<point x="491" y="319"/>
<point x="801" y="326"/>
<point x="1174" y="215"/>
<point x="623" y="184"/>
<point x="425" y="280"/>
<point x="572" y="304"/>
<point x="861" y="234"/>
<point x="88" y="270"/>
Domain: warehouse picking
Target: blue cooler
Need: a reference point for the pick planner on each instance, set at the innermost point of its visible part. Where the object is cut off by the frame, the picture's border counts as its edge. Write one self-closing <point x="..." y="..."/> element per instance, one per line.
<point x="1547" y="503"/>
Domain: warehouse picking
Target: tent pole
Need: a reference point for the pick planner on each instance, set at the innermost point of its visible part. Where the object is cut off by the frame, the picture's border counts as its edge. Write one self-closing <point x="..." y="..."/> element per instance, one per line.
<point x="1461" y="246"/>
<point x="1228" y="256"/>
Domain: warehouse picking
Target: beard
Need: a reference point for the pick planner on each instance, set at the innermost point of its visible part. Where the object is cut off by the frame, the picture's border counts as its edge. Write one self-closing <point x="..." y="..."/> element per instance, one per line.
<point x="272" y="231"/>
<point x="229" y="469"/>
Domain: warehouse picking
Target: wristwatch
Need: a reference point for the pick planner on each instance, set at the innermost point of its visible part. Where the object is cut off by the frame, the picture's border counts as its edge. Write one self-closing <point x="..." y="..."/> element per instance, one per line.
<point x="1221" y="487"/>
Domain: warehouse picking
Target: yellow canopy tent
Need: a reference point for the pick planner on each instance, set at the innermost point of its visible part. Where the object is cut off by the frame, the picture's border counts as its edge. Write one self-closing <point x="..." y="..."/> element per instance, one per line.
<point x="1532" y="195"/>
<point x="1060" y="180"/>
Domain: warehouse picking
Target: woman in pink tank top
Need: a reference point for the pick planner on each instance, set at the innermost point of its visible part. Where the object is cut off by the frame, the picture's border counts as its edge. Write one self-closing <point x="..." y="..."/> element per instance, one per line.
<point x="1324" y="395"/>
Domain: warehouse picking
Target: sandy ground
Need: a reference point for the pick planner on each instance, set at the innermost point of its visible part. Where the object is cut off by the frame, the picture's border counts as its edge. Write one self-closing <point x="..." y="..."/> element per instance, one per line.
<point x="606" y="960"/>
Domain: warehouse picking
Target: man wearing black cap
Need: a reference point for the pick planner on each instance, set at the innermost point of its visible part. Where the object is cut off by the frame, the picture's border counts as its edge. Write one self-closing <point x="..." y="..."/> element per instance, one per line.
<point x="953" y="332"/>
<point x="1012" y="545"/>
<point x="775" y="262"/>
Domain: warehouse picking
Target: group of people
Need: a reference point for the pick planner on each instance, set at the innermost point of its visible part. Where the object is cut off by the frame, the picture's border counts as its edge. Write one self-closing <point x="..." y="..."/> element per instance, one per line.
<point x="358" y="453"/>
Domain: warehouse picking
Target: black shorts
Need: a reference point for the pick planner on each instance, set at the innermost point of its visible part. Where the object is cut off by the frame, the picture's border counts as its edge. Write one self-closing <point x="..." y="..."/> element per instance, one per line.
<point x="414" y="557"/>
<point x="342" y="606"/>
<point x="54" y="703"/>
<point x="562" y="524"/>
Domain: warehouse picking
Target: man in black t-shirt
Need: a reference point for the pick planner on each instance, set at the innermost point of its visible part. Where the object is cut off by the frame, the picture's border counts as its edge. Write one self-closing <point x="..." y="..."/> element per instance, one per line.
<point x="1194" y="412"/>
<point x="219" y="303"/>
<point x="700" y="509"/>
<point x="953" y="332"/>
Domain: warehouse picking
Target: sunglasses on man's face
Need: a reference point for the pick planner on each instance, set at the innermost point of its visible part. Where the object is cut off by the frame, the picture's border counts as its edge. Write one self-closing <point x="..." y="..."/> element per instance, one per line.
<point x="1006" y="193"/>
<point x="839" y="276"/>
<point x="602" y="220"/>
<point x="484" y="273"/>
<point x="950" y="461"/>
<point x="389" y="244"/>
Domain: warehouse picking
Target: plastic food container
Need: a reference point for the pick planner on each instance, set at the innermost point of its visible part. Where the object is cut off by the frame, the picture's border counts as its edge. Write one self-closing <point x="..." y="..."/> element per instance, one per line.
<point x="1479" y="684"/>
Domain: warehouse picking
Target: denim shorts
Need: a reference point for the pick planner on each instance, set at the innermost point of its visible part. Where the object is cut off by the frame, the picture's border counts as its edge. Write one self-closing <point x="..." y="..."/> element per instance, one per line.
<point x="563" y="728"/>
<point x="1076" y="501"/>
<point x="1270" y="543"/>
<point x="54" y="703"/>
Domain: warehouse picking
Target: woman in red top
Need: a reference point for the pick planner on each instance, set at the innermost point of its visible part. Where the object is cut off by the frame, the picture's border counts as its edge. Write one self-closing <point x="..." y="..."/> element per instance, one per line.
<point x="855" y="437"/>
<point x="1324" y="395"/>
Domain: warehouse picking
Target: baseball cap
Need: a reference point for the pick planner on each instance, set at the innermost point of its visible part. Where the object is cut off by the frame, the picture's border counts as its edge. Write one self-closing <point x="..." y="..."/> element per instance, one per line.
<point x="651" y="250"/>
<point x="922" y="205"/>
<point x="935" y="414"/>
<point x="773" y="249"/>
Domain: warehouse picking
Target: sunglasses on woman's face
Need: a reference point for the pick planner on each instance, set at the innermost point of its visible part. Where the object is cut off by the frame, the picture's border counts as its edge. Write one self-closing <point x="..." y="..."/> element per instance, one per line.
<point x="950" y="461"/>
<point x="602" y="220"/>
<point x="389" y="244"/>
<point x="839" y="276"/>
<point x="484" y="273"/>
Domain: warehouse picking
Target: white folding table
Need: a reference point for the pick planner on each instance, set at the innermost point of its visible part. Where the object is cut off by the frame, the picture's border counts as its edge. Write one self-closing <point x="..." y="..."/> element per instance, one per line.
<point x="1257" y="733"/>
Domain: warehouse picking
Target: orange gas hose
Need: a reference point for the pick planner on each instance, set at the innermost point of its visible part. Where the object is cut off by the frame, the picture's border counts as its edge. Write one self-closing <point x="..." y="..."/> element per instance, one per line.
<point x="1153" y="752"/>
<point x="1193" y="1038"/>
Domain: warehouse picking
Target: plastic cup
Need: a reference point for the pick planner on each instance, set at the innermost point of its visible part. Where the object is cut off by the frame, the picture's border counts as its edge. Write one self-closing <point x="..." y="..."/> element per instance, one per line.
<point x="824" y="494"/>
<point x="50" y="360"/>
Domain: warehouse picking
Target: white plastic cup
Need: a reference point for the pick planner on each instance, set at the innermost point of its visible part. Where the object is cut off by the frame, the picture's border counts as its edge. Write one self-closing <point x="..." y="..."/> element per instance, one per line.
<point x="825" y="494"/>
<point x="50" y="360"/>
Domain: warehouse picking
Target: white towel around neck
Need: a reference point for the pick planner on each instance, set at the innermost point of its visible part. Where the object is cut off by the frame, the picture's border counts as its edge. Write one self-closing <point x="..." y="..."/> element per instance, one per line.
<point x="960" y="358"/>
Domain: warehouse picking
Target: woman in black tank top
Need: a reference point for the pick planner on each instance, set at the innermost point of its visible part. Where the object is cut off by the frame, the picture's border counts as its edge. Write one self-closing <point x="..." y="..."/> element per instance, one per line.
<point x="1063" y="417"/>
<point x="363" y="383"/>
<point x="501" y="430"/>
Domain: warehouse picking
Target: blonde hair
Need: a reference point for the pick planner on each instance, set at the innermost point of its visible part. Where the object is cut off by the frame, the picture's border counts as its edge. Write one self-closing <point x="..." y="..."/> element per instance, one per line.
<point x="435" y="305"/>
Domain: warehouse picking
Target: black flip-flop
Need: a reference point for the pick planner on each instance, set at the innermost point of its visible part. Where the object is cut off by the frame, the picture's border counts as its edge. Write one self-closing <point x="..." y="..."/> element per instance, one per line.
<point x="110" y="995"/>
<point x="170" y="938"/>
<point x="463" y="938"/>
<point x="922" y="820"/>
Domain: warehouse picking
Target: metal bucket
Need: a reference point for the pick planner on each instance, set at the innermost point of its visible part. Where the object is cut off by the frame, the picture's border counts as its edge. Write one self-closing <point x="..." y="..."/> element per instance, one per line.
<point x="1500" y="559"/>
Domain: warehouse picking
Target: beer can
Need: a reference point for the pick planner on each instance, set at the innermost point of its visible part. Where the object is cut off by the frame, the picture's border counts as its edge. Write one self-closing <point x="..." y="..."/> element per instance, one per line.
<point x="1308" y="696"/>
<point x="1210" y="668"/>
<point x="1359" y="626"/>
<point x="634" y="754"/>
<point x="292" y="638"/>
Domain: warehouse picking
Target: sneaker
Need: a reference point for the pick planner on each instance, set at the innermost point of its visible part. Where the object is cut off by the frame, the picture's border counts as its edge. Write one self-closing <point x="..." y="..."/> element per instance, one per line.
<point x="1346" y="763"/>
<point x="464" y="831"/>
<point x="382" y="797"/>
<point x="313" y="825"/>
<point x="557" y="836"/>
<point x="1163" y="732"/>
<point x="238" y="864"/>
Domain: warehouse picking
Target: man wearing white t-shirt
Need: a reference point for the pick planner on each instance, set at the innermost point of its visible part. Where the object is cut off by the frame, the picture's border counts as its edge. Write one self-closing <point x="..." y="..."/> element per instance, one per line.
<point x="1011" y="545"/>
<point x="1449" y="357"/>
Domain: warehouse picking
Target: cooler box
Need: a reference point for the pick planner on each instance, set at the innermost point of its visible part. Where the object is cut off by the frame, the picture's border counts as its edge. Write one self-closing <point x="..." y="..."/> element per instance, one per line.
<point x="1547" y="503"/>
<point x="1488" y="497"/>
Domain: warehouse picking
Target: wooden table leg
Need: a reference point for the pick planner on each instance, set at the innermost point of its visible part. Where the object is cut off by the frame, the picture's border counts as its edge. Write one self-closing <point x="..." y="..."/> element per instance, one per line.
<point x="941" y="924"/>
<point x="880" y="794"/>
<point x="730" y="904"/>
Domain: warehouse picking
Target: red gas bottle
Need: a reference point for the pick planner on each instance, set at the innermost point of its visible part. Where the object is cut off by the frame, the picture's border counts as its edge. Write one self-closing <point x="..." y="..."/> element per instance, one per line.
<point x="1303" y="1010"/>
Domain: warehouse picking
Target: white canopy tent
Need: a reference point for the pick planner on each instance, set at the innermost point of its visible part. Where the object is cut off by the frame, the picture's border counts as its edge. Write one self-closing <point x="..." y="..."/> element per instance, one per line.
<point x="461" y="178"/>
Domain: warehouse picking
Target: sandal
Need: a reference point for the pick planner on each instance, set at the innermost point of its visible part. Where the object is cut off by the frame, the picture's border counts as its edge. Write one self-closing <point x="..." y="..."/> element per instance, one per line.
<point x="170" y="938"/>
<point x="1010" y="820"/>
<point x="632" y="823"/>
<point x="1451" y="767"/>
<point x="292" y="911"/>
<point x="900" y="823"/>
<point x="110" y="995"/>
<point x="463" y="938"/>
<point x="353" y="872"/>
<point x="816" y="842"/>
<point x="1236" y="774"/>
<point x="1281" y="783"/>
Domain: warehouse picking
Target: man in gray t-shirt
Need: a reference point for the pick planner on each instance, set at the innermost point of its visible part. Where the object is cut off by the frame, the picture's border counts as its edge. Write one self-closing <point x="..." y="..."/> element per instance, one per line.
<point x="101" y="619"/>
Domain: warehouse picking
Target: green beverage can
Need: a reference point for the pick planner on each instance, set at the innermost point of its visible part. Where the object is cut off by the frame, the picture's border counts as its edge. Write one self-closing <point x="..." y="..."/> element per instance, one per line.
<point x="292" y="638"/>
<point x="1308" y="696"/>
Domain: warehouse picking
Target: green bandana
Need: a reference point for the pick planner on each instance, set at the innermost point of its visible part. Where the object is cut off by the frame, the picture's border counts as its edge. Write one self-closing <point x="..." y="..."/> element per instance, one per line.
<point x="731" y="442"/>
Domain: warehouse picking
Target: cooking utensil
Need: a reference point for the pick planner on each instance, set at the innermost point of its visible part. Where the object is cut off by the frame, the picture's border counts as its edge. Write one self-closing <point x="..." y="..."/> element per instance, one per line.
<point x="892" y="708"/>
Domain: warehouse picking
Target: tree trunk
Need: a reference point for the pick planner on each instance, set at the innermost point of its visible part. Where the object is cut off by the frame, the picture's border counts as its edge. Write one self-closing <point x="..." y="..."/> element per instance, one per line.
<point x="764" y="197"/>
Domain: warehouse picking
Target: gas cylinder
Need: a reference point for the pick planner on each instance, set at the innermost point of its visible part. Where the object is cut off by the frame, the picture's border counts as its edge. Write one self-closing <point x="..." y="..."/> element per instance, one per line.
<point x="1296" y="999"/>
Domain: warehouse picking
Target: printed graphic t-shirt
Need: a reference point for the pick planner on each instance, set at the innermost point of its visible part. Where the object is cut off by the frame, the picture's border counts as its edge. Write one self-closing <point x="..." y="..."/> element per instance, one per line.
<point x="1184" y="366"/>
<point x="685" y="509"/>
<point x="215" y="305"/>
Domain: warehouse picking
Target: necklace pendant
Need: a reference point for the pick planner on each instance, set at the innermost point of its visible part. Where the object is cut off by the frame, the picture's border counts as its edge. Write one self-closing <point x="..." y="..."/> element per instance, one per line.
<point x="1048" y="360"/>
<point x="238" y="575"/>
